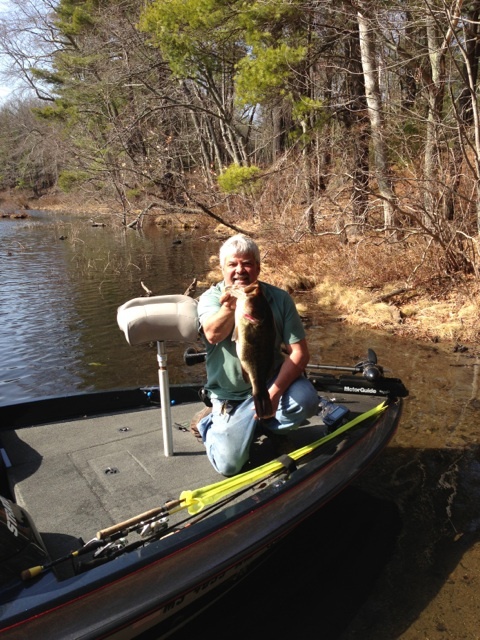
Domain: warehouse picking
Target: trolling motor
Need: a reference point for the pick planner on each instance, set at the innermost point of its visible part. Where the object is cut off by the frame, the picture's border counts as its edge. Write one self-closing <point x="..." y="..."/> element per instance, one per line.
<point x="374" y="381"/>
<point x="369" y="367"/>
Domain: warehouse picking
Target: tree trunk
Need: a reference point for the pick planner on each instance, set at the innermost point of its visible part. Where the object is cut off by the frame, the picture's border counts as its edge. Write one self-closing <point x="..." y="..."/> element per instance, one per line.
<point x="438" y="45"/>
<point x="374" y="105"/>
<point x="358" y="126"/>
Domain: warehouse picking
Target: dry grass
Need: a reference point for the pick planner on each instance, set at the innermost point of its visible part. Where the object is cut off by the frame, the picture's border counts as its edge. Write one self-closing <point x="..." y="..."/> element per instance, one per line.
<point x="371" y="283"/>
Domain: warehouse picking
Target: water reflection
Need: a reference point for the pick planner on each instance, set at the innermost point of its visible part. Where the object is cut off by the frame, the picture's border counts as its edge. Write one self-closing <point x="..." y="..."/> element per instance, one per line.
<point x="62" y="282"/>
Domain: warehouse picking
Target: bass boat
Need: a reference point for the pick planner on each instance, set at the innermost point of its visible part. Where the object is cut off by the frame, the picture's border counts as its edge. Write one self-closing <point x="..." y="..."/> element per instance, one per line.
<point x="114" y="523"/>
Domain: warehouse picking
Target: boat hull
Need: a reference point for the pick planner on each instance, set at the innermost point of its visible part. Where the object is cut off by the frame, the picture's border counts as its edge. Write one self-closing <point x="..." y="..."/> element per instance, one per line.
<point x="165" y="583"/>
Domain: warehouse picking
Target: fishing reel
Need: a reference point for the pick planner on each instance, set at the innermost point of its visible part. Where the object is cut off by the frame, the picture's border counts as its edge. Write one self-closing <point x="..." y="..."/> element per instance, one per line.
<point x="369" y="368"/>
<point x="110" y="549"/>
<point x="154" y="527"/>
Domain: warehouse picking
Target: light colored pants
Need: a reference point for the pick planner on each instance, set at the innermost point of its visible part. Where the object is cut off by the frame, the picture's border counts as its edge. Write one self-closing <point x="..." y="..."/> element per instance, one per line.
<point x="228" y="435"/>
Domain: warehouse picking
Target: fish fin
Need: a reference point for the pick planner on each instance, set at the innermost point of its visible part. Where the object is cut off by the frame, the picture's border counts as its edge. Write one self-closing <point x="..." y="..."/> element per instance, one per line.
<point x="235" y="333"/>
<point x="263" y="404"/>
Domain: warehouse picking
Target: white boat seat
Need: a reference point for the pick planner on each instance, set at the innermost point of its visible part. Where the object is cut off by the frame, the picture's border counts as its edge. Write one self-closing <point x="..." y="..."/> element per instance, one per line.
<point x="159" y="319"/>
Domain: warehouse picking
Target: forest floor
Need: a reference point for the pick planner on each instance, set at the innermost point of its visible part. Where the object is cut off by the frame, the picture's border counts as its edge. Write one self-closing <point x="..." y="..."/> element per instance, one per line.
<point x="393" y="288"/>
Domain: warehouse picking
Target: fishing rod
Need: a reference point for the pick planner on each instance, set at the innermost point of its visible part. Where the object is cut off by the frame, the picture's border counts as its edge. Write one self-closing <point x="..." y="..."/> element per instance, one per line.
<point x="207" y="499"/>
<point x="191" y="356"/>
<point x="111" y="551"/>
<point x="151" y="525"/>
<point x="105" y="537"/>
<point x="33" y="572"/>
<point x="369" y="367"/>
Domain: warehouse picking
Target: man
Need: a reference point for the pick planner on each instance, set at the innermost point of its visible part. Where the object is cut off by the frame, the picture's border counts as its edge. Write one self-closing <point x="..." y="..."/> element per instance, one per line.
<point x="229" y="429"/>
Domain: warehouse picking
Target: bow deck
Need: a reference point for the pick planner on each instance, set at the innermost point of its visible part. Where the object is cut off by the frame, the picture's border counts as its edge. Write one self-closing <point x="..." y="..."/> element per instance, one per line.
<point x="78" y="476"/>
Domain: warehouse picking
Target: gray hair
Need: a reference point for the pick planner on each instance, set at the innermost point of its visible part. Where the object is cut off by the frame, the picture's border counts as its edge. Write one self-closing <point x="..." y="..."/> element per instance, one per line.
<point x="240" y="245"/>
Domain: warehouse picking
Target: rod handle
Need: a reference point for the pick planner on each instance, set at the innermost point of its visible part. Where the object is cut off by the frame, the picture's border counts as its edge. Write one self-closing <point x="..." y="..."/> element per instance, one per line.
<point x="116" y="528"/>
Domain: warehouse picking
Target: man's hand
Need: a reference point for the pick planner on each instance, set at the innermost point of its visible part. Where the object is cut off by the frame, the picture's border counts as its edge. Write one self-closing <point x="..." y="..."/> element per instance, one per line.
<point x="228" y="301"/>
<point x="220" y="325"/>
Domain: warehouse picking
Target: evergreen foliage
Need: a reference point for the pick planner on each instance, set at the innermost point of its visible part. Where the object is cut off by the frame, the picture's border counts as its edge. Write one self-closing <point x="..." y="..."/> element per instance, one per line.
<point x="363" y="114"/>
<point x="240" y="180"/>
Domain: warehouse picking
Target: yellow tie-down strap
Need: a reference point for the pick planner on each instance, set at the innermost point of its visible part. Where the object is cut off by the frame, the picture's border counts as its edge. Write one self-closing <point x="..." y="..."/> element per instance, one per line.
<point x="197" y="499"/>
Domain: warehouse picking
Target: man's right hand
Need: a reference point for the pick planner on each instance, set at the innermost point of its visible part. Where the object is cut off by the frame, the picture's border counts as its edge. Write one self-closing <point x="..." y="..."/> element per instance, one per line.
<point x="228" y="301"/>
<point x="220" y="325"/>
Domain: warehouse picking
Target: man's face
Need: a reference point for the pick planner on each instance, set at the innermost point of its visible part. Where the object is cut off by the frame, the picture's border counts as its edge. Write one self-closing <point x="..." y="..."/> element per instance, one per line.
<point x="240" y="270"/>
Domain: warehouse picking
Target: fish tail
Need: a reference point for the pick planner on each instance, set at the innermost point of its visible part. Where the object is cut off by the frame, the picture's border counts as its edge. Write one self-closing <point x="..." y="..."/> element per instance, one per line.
<point x="263" y="404"/>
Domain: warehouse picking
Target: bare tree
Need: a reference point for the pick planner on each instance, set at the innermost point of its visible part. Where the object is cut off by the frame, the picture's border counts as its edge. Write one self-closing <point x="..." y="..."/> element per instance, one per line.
<point x="32" y="154"/>
<point x="375" y="111"/>
<point x="28" y="41"/>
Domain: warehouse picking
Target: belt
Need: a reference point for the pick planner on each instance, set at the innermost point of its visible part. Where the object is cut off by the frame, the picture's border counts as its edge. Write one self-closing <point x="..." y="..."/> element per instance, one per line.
<point x="228" y="406"/>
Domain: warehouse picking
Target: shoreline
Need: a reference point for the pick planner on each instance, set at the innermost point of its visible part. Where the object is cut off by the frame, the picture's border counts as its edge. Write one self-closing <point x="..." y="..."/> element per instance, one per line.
<point x="451" y="323"/>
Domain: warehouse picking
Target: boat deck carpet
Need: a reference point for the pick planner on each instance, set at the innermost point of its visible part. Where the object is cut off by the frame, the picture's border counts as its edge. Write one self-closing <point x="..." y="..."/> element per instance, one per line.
<point x="77" y="477"/>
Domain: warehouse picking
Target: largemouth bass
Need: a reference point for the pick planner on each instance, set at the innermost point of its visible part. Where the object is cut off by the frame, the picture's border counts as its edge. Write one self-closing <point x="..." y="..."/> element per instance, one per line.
<point x="254" y="334"/>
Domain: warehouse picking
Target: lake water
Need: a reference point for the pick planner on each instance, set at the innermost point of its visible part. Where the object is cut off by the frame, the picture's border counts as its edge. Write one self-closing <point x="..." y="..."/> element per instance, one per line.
<point x="58" y="302"/>
<point x="395" y="556"/>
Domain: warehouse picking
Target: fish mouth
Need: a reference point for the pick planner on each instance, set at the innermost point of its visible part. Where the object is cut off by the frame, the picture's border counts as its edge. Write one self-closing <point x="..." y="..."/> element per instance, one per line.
<point x="243" y="289"/>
